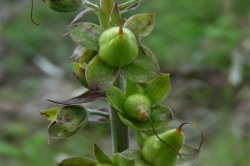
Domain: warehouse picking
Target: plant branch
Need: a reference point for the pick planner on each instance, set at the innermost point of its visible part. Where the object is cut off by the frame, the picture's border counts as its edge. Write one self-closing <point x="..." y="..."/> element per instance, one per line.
<point x="99" y="113"/>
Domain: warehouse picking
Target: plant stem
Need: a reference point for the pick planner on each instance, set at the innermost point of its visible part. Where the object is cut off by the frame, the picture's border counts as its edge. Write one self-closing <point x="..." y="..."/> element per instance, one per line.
<point x="119" y="131"/>
<point x="106" y="7"/>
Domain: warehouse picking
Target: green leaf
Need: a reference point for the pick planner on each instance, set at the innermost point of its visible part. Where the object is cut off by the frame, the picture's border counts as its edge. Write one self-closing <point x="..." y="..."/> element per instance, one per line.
<point x="187" y="160"/>
<point x="157" y="89"/>
<point x="66" y="133"/>
<point x="77" y="161"/>
<point x="100" y="76"/>
<point x="56" y="131"/>
<point x="71" y="117"/>
<point x="141" y="24"/>
<point x="130" y="5"/>
<point x="118" y="160"/>
<point x="133" y="123"/>
<point x="116" y="98"/>
<point x="100" y="155"/>
<point x="135" y="155"/>
<point x="50" y="113"/>
<point x="87" y="56"/>
<point x="160" y="116"/>
<point x="53" y="130"/>
<point x="115" y="17"/>
<point x="140" y="139"/>
<point x="131" y="88"/>
<point x="79" y="73"/>
<point x="144" y="67"/>
<point x="86" y="34"/>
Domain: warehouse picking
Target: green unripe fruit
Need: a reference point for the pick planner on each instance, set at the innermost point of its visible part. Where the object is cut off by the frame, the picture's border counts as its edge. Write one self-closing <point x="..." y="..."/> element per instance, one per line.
<point x="65" y="5"/>
<point x="157" y="153"/>
<point x="118" y="47"/>
<point x="138" y="107"/>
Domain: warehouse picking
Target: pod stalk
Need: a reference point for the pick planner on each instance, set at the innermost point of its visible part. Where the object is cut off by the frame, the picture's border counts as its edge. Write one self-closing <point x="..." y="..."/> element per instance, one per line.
<point x="31" y="14"/>
<point x="202" y="137"/>
<point x="120" y="29"/>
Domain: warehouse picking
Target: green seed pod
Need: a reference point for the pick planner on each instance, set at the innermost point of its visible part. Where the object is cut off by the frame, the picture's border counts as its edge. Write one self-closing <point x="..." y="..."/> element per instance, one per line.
<point x="72" y="117"/>
<point x="157" y="153"/>
<point x="118" y="47"/>
<point x="65" y="5"/>
<point x="138" y="107"/>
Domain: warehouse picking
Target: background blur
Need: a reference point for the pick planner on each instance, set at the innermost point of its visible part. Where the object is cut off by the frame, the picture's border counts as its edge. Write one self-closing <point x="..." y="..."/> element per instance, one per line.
<point x="205" y="45"/>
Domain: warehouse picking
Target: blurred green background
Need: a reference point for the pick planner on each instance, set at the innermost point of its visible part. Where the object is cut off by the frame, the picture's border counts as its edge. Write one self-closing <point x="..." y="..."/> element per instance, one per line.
<point x="205" y="45"/>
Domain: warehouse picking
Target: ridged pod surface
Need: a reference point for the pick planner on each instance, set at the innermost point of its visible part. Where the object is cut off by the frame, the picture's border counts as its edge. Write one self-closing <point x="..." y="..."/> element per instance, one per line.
<point x="138" y="107"/>
<point x="118" y="47"/>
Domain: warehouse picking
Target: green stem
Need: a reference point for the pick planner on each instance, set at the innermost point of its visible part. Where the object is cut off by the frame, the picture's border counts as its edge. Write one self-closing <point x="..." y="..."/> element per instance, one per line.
<point x="106" y="7"/>
<point x="99" y="113"/>
<point x="119" y="131"/>
<point x="92" y="6"/>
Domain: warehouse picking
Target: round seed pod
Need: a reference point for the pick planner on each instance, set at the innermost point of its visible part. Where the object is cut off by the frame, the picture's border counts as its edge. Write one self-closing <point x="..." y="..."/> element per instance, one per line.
<point x="157" y="153"/>
<point x="118" y="47"/>
<point x="65" y="5"/>
<point x="138" y="107"/>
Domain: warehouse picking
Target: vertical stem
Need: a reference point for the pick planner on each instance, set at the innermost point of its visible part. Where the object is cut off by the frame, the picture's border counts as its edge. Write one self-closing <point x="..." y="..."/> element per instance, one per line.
<point x="119" y="131"/>
<point x="106" y="7"/>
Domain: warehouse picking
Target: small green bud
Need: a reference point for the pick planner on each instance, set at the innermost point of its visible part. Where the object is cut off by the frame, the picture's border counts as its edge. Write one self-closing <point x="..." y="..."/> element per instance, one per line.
<point x="157" y="153"/>
<point x="65" y="5"/>
<point x="118" y="47"/>
<point x="138" y="107"/>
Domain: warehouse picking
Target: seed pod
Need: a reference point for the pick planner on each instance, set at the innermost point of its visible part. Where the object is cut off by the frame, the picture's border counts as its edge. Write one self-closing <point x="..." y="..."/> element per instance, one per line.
<point x="138" y="107"/>
<point x="157" y="153"/>
<point x="65" y="5"/>
<point x="167" y="155"/>
<point x="118" y="47"/>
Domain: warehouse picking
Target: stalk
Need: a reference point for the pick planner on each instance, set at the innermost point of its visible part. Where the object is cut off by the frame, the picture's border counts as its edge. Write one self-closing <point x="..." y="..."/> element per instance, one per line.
<point x="106" y="7"/>
<point x="119" y="131"/>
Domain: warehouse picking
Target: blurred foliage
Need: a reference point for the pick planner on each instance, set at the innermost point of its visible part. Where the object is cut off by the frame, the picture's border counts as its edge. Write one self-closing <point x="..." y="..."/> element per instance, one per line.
<point x="205" y="45"/>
